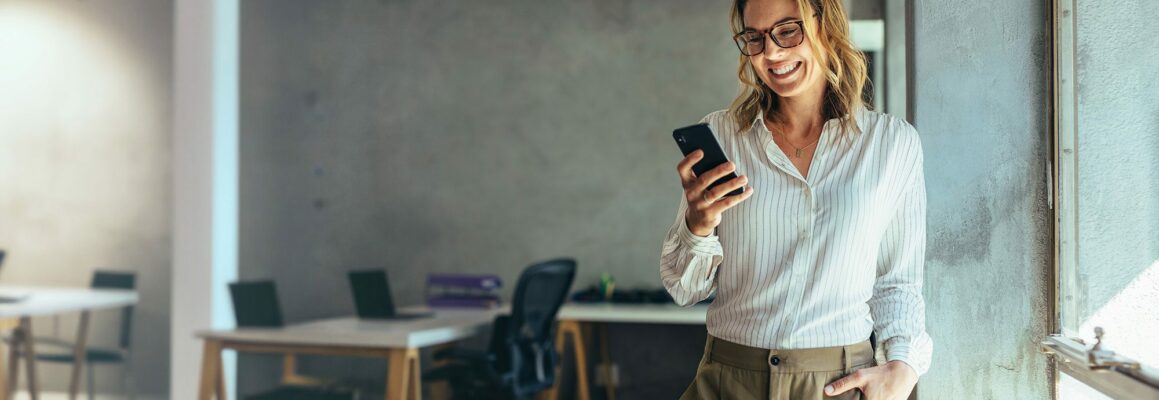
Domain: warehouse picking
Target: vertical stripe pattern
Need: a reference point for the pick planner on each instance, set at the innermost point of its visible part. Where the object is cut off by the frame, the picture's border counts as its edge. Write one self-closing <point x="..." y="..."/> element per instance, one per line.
<point x="816" y="261"/>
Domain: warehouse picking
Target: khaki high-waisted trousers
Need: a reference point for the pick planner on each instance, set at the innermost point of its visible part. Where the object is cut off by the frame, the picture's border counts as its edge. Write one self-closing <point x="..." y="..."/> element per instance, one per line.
<point x="734" y="371"/>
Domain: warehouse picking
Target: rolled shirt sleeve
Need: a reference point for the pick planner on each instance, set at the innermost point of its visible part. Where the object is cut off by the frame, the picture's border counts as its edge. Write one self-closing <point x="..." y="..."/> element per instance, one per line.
<point x="688" y="262"/>
<point x="897" y="305"/>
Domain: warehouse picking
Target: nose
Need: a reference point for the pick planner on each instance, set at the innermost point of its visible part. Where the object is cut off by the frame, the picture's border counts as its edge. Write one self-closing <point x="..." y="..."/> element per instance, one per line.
<point x="772" y="50"/>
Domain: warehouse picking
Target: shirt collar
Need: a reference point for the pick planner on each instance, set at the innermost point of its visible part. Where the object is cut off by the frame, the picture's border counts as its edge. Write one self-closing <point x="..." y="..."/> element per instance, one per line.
<point x="760" y="118"/>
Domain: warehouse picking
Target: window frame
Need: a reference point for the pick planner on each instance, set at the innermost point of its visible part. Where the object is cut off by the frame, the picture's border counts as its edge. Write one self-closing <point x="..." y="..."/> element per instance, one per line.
<point x="1066" y="352"/>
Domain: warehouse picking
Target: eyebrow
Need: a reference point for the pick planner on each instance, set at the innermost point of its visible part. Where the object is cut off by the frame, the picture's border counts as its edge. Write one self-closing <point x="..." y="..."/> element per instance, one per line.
<point x="783" y="20"/>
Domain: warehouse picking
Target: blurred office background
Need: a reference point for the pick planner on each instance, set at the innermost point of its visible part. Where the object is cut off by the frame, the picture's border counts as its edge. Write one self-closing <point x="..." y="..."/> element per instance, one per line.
<point x="477" y="137"/>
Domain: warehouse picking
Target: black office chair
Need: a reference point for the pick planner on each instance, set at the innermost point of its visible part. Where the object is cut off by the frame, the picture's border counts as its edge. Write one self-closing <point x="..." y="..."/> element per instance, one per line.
<point x="521" y="358"/>
<point x="255" y="305"/>
<point x="62" y="351"/>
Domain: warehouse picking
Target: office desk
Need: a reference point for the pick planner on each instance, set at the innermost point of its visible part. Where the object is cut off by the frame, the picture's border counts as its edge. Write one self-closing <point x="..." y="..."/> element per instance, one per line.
<point x="576" y="318"/>
<point x="397" y="341"/>
<point x="41" y="301"/>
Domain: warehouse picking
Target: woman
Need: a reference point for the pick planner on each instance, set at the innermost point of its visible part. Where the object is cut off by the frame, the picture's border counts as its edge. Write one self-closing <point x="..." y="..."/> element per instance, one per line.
<point x="827" y="244"/>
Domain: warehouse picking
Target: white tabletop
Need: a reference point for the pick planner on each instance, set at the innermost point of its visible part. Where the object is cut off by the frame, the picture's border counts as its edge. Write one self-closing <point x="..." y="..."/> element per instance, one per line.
<point x="634" y="313"/>
<point x="445" y="326"/>
<point x="35" y="301"/>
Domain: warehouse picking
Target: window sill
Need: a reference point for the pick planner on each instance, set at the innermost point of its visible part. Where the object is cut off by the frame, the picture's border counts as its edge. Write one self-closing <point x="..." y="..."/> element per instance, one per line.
<point x="1071" y="358"/>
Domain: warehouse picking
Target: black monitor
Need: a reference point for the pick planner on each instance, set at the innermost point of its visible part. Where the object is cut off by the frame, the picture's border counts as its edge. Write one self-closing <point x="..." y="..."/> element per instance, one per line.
<point x="372" y="299"/>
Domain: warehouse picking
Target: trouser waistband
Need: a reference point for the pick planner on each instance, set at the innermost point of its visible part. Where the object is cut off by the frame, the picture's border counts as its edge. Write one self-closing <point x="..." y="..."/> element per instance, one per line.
<point x="796" y="360"/>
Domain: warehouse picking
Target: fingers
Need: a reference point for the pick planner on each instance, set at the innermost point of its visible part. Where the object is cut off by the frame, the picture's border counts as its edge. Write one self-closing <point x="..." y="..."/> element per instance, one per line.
<point x="729" y="201"/>
<point x="716" y="193"/>
<point x="851" y="382"/>
<point x="713" y="175"/>
<point x="684" y="168"/>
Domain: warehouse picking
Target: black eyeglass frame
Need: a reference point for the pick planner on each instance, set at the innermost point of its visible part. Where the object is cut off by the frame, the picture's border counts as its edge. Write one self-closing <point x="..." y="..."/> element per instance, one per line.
<point x="769" y="34"/>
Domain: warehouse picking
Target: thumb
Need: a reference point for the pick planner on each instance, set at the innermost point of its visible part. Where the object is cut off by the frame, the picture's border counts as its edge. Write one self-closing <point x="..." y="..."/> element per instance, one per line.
<point x="853" y="381"/>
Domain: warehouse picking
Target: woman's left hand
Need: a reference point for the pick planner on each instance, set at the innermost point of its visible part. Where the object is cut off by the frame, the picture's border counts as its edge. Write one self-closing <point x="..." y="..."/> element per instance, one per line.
<point x="892" y="381"/>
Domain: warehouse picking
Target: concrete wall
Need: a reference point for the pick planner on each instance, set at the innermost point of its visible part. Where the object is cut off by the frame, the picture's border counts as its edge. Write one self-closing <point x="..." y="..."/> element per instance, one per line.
<point x="426" y="136"/>
<point x="1118" y="147"/>
<point x="84" y="164"/>
<point x="980" y="81"/>
<point x="423" y="136"/>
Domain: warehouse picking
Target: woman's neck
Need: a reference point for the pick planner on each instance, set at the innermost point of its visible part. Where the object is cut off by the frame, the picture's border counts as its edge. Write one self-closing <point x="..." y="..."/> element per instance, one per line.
<point x="799" y="117"/>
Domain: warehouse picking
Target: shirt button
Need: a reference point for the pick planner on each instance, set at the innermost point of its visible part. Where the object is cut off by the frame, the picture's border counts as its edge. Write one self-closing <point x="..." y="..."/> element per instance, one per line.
<point x="775" y="360"/>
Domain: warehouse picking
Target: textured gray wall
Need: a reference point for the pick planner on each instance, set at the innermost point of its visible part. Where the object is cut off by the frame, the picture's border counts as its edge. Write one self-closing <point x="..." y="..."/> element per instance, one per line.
<point x="429" y="136"/>
<point x="424" y="136"/>
<point x="84" y="164"/>
<point x="980" y="84"/>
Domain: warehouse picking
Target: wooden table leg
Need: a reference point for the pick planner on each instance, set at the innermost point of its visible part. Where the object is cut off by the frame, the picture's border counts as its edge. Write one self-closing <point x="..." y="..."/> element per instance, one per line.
<point x="606" y="361"/>
<point x="211" y="373"/>
<point x="14" y="361"/>
<point x="30" y="358"/>
<point x="79" y="355"/>
<point x="402" y="381"/>
<point x="5" y="381"/>
<point x="440" y="390"/>
<point x="573" y="328"/>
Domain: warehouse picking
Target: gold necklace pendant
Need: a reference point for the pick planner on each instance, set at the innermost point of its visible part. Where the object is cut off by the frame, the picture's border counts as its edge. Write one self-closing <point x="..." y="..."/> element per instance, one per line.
<point x="798" y="153"/>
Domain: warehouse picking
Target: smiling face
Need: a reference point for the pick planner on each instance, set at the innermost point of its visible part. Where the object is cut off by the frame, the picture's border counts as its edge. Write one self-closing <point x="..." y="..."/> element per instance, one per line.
<point x="789" y="72"/>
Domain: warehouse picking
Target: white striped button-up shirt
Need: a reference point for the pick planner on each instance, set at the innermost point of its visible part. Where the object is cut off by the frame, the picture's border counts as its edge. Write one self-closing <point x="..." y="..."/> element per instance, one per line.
<point x="819" y="261"/>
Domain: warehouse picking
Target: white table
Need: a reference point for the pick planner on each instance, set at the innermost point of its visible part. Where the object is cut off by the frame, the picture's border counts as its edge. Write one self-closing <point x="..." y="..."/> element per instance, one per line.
<point x="41" y="301"/>
<point x="576" y="318"/>
<point x="398" y="341"/>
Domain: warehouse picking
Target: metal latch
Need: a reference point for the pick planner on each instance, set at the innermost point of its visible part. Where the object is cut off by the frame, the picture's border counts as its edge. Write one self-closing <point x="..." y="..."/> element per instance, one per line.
<point x="1099" y="358"/>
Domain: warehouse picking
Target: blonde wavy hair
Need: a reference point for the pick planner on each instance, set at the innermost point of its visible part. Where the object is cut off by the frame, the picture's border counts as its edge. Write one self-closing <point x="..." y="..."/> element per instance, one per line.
<point x="845" y="71"/>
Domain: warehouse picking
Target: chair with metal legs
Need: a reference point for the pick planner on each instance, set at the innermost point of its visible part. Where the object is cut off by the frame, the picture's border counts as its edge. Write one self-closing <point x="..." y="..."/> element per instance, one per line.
<point x="64" y="352"/>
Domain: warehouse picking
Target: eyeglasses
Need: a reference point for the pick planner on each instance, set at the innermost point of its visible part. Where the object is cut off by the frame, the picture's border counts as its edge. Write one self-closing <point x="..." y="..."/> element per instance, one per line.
<point x="785" y="35"/>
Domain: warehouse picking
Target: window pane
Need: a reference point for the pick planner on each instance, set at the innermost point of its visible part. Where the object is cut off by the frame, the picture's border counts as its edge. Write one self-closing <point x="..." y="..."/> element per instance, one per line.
<point x="1117" y="280"/>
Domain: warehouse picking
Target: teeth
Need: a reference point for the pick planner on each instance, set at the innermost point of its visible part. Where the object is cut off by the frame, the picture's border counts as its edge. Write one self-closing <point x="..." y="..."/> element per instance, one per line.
<point x="786" y="69"/>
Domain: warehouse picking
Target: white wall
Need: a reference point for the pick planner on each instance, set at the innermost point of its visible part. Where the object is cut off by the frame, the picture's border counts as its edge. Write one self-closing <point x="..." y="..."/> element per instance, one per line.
<point x="85" y="163"/>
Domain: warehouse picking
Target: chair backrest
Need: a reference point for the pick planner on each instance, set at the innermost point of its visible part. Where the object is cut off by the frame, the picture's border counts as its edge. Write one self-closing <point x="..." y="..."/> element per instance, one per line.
<point x="118" y="280"/>
<point x="255" y="304"/>
<point x="539" y="293"/>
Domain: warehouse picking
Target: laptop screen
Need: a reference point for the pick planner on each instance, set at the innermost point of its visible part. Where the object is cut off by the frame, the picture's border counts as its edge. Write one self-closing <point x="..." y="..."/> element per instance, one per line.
<point x="371" y="294"/>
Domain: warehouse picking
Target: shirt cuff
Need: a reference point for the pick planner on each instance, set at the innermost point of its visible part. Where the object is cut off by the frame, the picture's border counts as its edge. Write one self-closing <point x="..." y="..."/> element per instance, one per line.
<point x="916" y="354"/>
<point x="700" y="244"/>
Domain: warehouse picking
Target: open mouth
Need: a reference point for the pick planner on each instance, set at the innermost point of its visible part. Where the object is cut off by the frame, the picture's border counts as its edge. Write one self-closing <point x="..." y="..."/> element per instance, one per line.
<point x="786" y="71"/>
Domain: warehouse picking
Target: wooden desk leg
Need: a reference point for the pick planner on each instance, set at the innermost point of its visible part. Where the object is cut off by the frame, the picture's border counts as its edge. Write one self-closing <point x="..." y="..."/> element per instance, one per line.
<point x="289" y="368"/>
<point x="79" y="355"/>
<point x="572" y="328"/>
<point x="14" y="362"/>
<point x="581" y="359"/>
<point x="440" y="390"/>
<point x="606" y="361"/>
<point x="402" y="381"/>
<point x="7" y="383"/>
<point x="30" y="358"/>
<point x="3" y="378"/>
<point x="211" y="373"/>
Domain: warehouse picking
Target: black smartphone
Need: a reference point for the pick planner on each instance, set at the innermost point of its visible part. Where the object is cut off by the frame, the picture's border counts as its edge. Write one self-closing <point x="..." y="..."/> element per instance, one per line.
<point x="700" y="137"/>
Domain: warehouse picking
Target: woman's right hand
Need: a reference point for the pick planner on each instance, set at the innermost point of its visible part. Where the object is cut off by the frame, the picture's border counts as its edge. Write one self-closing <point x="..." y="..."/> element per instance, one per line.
<point x="705" y="205"/>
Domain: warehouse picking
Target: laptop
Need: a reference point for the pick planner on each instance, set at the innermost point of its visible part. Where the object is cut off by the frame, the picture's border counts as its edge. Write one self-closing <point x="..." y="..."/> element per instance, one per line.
<point x="372" y="298"/>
